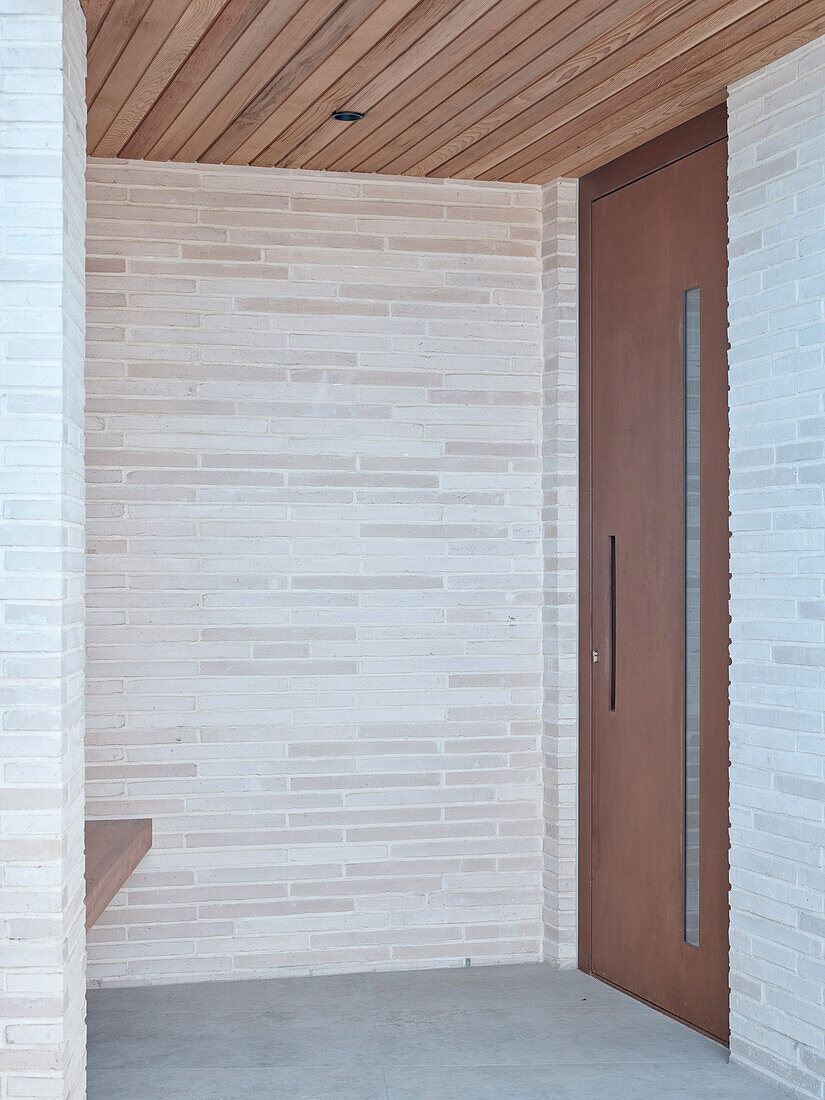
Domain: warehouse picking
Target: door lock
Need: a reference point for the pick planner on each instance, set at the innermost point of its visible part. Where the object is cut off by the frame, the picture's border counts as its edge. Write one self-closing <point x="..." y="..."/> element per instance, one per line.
<point x="595" y="656"/>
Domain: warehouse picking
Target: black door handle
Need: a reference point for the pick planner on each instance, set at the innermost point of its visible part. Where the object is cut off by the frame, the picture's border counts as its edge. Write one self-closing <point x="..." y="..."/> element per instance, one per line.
<point x="612" y="622"/>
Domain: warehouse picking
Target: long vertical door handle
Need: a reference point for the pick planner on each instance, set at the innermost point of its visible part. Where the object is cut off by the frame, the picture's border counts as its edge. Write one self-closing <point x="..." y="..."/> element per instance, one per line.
<point x="612" y="622"/>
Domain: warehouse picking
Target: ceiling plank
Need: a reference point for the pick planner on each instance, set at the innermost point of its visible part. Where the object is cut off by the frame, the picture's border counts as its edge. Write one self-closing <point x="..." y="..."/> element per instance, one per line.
<point x="191" y="86"/>
<point x="112" y="38"/>
<point x="136" y="58"/>
<point x="561" y="99"/>
<point x="623" y="136"/>
<point x="678" y="92"/>
<point x="95" y="12"/>
<point x="627" y="138"/>
<point x="241" y="89"/>
<point x="596" y="36"/>
<point x="428" y="28"/>
<point x="482" y="89"/>
<point x="364" y="41"/>
<point x="501" y="31"/>
<point x="341" y="36"/>
<point x="702" y="67"/>
<point x="454" y="36"/>
<point x="193" y="23"/>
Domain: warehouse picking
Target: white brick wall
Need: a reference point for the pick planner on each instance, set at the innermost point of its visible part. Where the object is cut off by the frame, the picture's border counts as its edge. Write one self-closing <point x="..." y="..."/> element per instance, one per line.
<point x="315" y="580"/>
<point x="560" y="535"/>
<point x="42" y="129"/>
<point x="777" y="411"/>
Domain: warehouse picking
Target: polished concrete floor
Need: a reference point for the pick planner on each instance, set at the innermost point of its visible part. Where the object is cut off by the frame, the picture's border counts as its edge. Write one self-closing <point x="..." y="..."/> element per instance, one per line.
<point x="489" y="1033"/>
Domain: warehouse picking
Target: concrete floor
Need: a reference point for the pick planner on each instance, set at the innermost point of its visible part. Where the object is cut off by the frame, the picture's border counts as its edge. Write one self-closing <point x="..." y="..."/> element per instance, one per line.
<point x="489" y="1033"/>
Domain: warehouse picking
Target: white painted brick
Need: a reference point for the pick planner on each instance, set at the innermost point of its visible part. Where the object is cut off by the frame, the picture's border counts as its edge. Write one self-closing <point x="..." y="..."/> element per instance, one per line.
<point x="560" y="545"/>
<point x="42" y="209"/>
<point x="777" y="420"/>
<point x="314" y="455"/>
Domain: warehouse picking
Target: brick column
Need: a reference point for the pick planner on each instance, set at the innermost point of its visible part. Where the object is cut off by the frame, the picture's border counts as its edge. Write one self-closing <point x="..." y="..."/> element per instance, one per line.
<point x="777" y="418"/>
<point x="42" y="209"/>
<point x="560" y="543"/>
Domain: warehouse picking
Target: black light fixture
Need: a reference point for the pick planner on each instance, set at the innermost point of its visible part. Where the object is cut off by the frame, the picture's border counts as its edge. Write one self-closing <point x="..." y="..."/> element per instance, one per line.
<point x="348" y="116"/>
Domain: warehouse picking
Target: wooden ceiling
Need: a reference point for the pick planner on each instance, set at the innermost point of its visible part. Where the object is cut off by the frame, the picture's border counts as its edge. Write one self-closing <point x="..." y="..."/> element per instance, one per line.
<point x="517" y="90"/>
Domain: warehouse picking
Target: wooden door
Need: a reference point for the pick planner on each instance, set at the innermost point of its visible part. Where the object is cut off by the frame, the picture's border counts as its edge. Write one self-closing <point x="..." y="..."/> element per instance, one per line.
<point x="657" y="784"/>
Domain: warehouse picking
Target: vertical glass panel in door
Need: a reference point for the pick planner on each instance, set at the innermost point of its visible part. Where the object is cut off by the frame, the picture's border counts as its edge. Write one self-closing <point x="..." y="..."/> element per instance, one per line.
<point x="692" y="612"/>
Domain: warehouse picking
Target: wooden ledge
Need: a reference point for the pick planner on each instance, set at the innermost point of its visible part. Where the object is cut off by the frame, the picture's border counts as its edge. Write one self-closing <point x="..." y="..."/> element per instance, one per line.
<point x="113" y="850"/>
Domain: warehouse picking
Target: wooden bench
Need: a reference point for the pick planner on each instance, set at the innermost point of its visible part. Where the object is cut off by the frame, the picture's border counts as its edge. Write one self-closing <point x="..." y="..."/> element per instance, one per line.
<point x="113" y="850"/>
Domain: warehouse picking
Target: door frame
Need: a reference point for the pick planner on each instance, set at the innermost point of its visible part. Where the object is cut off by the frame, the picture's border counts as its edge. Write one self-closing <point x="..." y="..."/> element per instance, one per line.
<point x="688" y="138"/>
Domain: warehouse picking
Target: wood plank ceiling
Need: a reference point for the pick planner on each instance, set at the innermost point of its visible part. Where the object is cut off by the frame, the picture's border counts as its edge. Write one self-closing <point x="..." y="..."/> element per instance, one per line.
<point x="517" y="90"/>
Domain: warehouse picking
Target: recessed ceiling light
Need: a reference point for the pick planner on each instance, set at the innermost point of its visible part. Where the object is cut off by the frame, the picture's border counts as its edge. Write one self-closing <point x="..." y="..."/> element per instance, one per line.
<point x="348" y="116"/>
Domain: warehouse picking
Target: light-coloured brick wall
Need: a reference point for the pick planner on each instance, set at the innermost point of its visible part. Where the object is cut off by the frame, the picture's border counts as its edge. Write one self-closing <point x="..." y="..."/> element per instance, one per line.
<point x="560" y="538"/>
<point x="42" y="151"/>
<point x="777" y="414"/>
<point x="315" y="578"/>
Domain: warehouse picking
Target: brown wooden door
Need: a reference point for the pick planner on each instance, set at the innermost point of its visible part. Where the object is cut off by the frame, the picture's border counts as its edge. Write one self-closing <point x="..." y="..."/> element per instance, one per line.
<point x="658" y="784"/>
